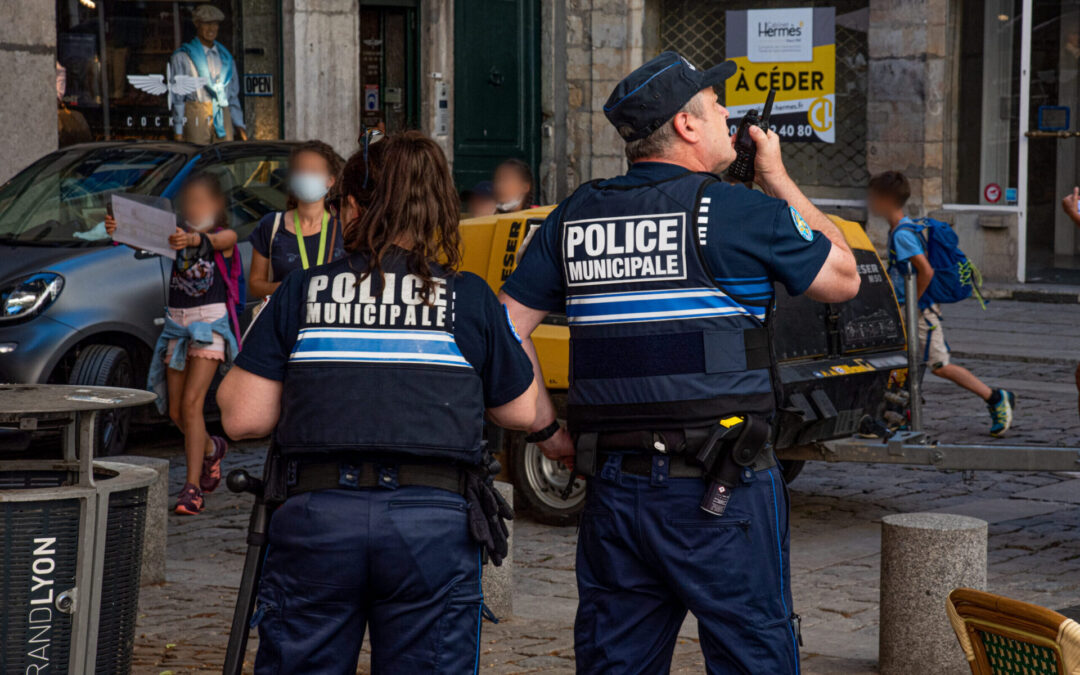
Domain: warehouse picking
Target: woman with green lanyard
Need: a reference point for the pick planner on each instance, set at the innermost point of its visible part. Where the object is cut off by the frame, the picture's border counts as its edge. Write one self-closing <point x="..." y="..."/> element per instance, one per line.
<point x="307" y="234"/>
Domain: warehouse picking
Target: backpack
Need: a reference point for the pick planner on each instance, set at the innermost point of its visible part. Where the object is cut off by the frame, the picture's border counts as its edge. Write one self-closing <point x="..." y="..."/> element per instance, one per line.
<point x="955" y="276"/>
<point x="232" y="271"/>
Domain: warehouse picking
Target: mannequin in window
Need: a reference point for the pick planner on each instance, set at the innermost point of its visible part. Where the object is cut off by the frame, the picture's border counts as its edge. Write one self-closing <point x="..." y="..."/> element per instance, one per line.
<point x="212" y="113"/>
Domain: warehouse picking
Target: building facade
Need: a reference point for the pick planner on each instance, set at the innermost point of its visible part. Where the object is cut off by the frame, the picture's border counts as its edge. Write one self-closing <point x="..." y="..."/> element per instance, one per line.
<point x="974" y="100"/>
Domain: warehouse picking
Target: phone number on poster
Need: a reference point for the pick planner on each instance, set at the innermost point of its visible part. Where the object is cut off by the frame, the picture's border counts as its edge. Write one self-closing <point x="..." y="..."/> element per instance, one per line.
<point x="786" y="130"/>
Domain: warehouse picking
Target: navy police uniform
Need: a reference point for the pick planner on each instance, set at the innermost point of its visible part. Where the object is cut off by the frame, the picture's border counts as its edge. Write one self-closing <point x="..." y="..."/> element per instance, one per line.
<point x="666" y="279"/>
<point x="383" y="397"/>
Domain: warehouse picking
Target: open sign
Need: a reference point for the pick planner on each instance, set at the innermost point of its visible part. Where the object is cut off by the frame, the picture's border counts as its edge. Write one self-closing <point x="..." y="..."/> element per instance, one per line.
<point x="258" y="84"/>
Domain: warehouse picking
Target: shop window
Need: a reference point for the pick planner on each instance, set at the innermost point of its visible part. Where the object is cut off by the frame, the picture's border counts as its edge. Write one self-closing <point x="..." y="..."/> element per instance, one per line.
<point x="100" y="43"/>
<point x="981" y="136"/>
<point x="697" y="30"/>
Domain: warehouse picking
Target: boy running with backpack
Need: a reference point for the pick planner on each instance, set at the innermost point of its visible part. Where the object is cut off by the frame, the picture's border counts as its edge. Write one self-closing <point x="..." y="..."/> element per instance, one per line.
<point x="929" y="247"/>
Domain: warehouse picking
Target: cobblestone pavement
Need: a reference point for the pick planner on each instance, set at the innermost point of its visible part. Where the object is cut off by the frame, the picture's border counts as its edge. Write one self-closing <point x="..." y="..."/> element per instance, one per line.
<point x="1034" y="531"/>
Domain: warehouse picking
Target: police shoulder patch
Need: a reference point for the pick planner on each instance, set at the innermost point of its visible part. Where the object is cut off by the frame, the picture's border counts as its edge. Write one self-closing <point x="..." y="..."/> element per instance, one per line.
<point x="800" y="225"/>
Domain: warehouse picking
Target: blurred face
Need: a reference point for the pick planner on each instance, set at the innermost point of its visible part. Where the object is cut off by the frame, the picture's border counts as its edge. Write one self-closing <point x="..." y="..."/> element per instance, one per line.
<point x="207" y="30"/>
<point x="879" y="204"/>
<point x="509" y="187"/>
<point x="309" y="177"/>
<point x="480" y="205"/>
<point x="717" y="146"/>
<point x="199" y="207"/>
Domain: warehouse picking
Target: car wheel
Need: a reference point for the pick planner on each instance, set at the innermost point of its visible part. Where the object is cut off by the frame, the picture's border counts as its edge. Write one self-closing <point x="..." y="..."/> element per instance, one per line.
<point x="791" y="468"/>
<point x="106" y="366"/>
<point x="539" y="483"/>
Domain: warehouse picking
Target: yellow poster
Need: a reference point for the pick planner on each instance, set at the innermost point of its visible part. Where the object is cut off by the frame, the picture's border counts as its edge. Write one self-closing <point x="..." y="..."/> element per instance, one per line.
<point x="794" y="52"/>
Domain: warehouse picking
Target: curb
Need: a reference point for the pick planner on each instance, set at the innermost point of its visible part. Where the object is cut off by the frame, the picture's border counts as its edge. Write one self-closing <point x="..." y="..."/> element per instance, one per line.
<point x="1063" y="297"/>
<point x="1047" y="360"/>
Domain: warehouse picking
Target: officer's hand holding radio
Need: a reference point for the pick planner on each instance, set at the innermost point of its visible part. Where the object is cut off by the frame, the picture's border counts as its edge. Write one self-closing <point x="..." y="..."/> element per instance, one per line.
<point x="769" y="170"/>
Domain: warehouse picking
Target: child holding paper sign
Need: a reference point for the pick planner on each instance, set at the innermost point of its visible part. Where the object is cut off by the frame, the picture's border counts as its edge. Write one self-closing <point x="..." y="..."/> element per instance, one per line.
<point x="200" y="329"/>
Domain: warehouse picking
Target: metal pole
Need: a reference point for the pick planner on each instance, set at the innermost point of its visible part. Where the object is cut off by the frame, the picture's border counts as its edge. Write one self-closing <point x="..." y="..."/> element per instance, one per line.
<point x="911" y="318"/>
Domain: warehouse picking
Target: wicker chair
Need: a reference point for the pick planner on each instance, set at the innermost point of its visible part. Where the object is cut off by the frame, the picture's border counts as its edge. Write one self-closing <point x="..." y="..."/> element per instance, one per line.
<point x="1007" y="637"/>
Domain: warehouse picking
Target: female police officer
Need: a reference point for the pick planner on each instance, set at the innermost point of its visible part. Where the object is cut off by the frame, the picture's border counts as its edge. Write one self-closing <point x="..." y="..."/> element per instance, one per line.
<point x="373" y="373"/>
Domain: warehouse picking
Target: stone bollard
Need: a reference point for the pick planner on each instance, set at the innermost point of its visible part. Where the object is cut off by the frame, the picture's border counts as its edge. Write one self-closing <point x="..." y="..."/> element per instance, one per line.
<point x="157" y="521"/>
<point x="498" y="581"/>
<point x="924" y="556"/>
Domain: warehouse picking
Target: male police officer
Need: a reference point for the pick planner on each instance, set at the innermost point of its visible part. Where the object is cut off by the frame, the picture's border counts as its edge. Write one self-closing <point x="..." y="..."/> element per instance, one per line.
<point x="380" y="366"/>
<point x="666" y="277"/>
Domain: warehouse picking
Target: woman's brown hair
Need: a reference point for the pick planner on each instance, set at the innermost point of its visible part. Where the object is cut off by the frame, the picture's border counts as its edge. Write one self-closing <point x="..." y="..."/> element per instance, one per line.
<point x="415" y="206"/>
<point x="358" y="180"/>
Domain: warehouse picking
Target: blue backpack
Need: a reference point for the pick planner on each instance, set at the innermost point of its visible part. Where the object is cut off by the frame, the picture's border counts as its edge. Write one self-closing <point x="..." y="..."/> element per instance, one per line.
<point x="955" y="276"/>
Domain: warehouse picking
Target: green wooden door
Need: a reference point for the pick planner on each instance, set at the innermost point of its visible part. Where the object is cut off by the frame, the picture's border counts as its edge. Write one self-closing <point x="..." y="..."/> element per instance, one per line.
<point x="496" y="86"/>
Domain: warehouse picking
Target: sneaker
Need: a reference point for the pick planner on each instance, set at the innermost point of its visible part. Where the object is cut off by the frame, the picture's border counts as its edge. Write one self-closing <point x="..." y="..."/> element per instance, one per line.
<point x="190" y="501"/>
<point x="1001" y="413"/>
<point x="211" y="465"/>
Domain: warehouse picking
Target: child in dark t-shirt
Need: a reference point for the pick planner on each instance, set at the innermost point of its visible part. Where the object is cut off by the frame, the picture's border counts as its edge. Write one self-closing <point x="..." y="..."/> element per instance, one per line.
<point x="199" y="334"/>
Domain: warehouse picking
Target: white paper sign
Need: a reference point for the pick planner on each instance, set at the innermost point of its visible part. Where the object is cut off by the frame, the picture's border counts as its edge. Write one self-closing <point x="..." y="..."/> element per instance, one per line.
<point x="142" y="226"/>
<point x="780" y="35"/>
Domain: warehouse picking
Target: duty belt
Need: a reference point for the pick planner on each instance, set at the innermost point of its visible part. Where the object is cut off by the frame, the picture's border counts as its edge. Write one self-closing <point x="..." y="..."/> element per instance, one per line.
<point x="312" y="476"/>
<point x="693" y="451"/>
<point x="679" y="466"/>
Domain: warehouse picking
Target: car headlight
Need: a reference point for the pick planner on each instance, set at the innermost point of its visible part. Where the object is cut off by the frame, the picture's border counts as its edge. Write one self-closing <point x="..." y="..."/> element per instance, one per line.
<point x="30" y="295"/>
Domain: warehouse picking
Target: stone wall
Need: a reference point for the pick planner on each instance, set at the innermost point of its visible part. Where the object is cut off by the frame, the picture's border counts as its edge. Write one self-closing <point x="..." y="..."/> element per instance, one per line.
<point x="28" y="121"/>
<point x="905" y="110"/>
<point x="321" y="78"/>
<point x="605" y="40"/>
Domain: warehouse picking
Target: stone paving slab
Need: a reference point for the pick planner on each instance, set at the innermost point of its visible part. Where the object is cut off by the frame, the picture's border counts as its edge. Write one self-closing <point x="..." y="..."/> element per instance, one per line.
<point x="1068" y="491"/>
<point x="1034" y="546"/>
<point x="1003" y="510"/>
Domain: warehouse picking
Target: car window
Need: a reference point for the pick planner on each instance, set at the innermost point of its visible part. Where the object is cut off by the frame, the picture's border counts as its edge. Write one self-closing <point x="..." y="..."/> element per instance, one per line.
<point x="254" y="186"/>
<point x="60" y="200"/>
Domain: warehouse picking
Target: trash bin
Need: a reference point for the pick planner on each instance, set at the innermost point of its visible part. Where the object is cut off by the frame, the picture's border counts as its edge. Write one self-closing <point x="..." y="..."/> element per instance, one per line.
<point x="71" y="537"/>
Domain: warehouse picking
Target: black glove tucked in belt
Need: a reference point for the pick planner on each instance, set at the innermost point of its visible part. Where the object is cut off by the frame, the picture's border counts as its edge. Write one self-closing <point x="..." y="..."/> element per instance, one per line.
<point x="487" y="512"/>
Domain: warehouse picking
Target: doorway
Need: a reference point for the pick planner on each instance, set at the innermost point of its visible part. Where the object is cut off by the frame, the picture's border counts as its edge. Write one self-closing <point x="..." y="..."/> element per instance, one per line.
<point x="1053" y="141"/>
<point x="388" y="65"/>
<point x="496" y="86"/>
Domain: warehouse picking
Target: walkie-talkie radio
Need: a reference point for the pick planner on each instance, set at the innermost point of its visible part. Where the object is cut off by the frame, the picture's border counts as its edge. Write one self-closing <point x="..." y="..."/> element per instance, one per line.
<point x="742" y="169"/>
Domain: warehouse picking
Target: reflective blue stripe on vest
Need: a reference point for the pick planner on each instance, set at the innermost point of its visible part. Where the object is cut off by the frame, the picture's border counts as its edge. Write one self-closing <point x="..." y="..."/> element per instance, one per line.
<point x="666" y="305"/>
<point x="377" y="346"/>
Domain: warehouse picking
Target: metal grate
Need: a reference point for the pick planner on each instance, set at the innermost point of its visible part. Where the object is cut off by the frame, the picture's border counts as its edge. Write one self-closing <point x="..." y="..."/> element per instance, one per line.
<point x="696" y="29"/>
<point x="120" y="583"/>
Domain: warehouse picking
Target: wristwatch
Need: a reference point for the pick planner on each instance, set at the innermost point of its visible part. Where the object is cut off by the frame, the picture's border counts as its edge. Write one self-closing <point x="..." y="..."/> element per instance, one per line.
<point x="543" y="434"/>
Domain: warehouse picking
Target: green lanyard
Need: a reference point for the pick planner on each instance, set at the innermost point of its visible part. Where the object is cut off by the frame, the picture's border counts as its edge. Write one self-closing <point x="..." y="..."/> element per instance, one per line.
<point x="300" y="238"/>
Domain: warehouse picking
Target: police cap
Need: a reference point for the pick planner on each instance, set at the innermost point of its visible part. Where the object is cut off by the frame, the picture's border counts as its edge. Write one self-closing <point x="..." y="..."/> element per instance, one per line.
<point x="655" y="92"/>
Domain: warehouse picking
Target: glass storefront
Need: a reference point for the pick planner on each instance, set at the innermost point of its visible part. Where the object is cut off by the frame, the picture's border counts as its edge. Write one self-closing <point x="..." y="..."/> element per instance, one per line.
<point x="1053" y="251"/>
<point x="100" y="43"/>
<point x="981" y="139"/>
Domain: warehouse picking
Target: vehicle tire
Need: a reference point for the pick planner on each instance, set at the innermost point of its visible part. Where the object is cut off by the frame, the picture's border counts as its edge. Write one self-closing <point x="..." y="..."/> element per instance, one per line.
<point x="539" y="482"/>
<point x="106" y="366"/>
<point x="791" y="468"/>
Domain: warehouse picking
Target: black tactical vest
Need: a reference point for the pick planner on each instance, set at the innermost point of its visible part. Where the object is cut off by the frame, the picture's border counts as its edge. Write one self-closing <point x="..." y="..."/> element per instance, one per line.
<point x="376" y="369"/>
<point x="655" y="343"/>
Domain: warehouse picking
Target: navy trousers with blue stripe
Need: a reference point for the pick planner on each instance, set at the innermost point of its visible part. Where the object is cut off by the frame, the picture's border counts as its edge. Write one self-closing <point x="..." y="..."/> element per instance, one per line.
<point x="399" y="563"/>
<point x="647" y="554"/>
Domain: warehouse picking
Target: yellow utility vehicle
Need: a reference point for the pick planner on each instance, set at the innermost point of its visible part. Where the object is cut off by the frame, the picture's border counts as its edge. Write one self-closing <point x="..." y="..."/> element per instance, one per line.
<point x="835" y="362"/>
